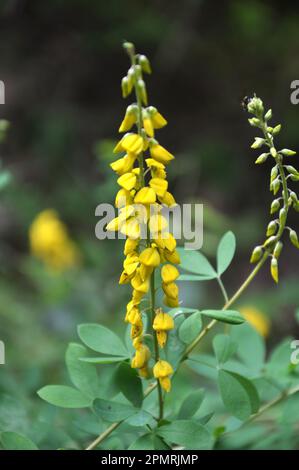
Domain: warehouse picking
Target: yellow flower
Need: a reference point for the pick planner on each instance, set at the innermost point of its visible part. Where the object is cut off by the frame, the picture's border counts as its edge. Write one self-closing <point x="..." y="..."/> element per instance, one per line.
<point x="171" y="290"/>
<point x="169" y="273"/>
<point x="160" y="154"/>
<point x="130" y="118"/>
<point x="150" y="257"/>
<point x="168" y="199"/>
<point x="173" y="257"/>
<point x="147" y="123"/>
<point x="129" y="143"/>
<point x="145" y="196"/>
<point x="170" y="302"/>
<point x="159" y="186"/>
<point x="257" y="319"/>
<point x="127" y="181"/>
<point x="131" y="228"/>
<point x="163" y="322"/>
<point x="50" y="242"/>
<point x="140" y="284"/>
<point x="130" y="245"/>
<point x="124" y="164"/>
<point x="123" y="198"/>
<point x="151" y="163"/>
<point x="162" y="370"/>
<point x="141" y="357"/>
<point x="157" y="223"/>
<point x="157" y="119"/>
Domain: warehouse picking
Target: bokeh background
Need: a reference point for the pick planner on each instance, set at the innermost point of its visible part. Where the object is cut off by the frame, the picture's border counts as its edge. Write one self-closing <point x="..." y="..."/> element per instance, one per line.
<point x="62" y="62"/>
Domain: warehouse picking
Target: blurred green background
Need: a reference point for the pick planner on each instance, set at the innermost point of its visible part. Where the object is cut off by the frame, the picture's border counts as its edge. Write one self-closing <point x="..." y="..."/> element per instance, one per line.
<point x="62" y="62"/>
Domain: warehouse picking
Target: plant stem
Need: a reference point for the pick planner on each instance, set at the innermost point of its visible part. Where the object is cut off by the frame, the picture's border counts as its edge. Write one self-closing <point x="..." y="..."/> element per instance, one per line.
<point x="223" y="290"/>
<point x="157" y="356"/>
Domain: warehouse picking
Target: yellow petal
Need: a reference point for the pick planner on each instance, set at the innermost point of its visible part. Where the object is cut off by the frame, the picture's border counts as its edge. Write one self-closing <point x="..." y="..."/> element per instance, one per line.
<point x="130" y="246"/>
<point x="158" y="120"/>
<point x="113" y="225"/>
<point x="168" y="199"/>
<point x="139" y="284"/>
<point x="151" y="163"/>
<point x="148" y="126"/>
<point x="145" y="196"/>
<point x="157" y="223"/>
<point x="162" y="369"/>
<point x="150" y="257"/>
<point x="169" y="273"/>
<point x="131" y="228"/>
<point x="171" y="290"/>
<point x="161" y="338"/>
<point x="123" y="198"/>
<point x="170" y="302"/>
<point x="163" y="321"/>
<point x="160" y="154"/>
<point x="127" y="181"/>
<point x="165" y="383"/>
<point x="132" y="143"/>
<point x="159" y="185"/>
<point x="172" y="257"/>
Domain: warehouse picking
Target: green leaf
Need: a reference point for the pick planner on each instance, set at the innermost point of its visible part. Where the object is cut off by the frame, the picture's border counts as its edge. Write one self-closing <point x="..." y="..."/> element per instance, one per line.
<point x="148" y="442"/>
<point x="226" y="316"/>
<point x="101" y="339"/>
<point x="112" y="411"/>
<point x="191" y="404"/>
<point x="186" y="433"/>
<point x="129" y="383"/>
<point x="194" y="277"/>
<point x="224" y="348"/>
<point x="64" y="396"/>
<point x="16" y="441"/>
<point x="225" y="252"/>
<point x="190" y="328"/>
<point x="83" y="375"/>
<point x="103" y="359"/>
<point x="140" y="418"/>
<point x="239" y="395"/>
<point x="251" y="347"/>
<point x="195" y="262"/>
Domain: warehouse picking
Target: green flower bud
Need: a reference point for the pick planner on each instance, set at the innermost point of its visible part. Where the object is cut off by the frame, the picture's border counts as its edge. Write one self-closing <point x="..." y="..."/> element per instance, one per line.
<point x="282" y="216"/>
<point x="293" y="196"/>
<point x="255" y="106"/>
<point x="276" y="129"/>
<point x="274" y="206"/>
<point x="254" y="122"/>
<point x="294" y="238"/>
<point x="275" y="185"/>
<point x="277" y="250"/>
<point x="129" y="47"/>
<point x="268" y="115"/>
<point x="295" y="177"/>
<point x="262" y="158"/>
<point x="270" y="129"/>
<point x="271" y="229"/>
<point x="287" y="152"/>
<point x="274" y="173"/>
<point x="125" y="87"/>
<point x="269" y="241"/>
<point x="256" y="254"/>
<point x="292" y="170"/>
<point x="258" y="143"/>
<point x="274" y="269"/>
<point x="142" y="90"/>
<point x="145" y="64"/>
<point x="273" y="152"/>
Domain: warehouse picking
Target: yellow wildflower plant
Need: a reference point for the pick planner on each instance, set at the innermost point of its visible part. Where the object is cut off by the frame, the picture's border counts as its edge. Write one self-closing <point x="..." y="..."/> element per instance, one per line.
<point x="143" y="182"/>
<point x="50" y="242"/>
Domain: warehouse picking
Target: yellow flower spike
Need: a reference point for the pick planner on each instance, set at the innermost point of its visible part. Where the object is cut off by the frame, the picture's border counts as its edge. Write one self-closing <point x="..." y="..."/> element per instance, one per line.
<point x="141" y="357"/>
<point x="130" y="246"/>
<point x="129" y="143"/>
<point x="127" y="181"/>
<point x="131" y="228"/>
<point x="172" y="257"/>
<point x="157" y="223"/>
<point x="169" y="273"/>
<point x="123" y="198"/>
<point x="172" y="303"/>
<point x="145" y="196"/>
<point x="130" y="118"/>
<point x="168" y="199"/>
<point x="150" y="257"/>
<point x="171" y="290"/>
<point x="113" y="225"/>
<point x="151" y="163"/>
<point x="160" y="154"/>
<point x="159" y="185"/>
<point x="139" y="284"/>
<point x="162" y="370"/>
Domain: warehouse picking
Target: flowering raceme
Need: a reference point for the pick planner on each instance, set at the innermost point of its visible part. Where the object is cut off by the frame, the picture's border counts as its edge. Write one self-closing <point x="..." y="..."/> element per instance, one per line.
<point x="143" y="193"/>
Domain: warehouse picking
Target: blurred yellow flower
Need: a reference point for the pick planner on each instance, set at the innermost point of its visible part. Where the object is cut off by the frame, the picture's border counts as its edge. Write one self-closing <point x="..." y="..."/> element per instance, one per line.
<point x="50" y="242"/>
<point x="257" y="319"/>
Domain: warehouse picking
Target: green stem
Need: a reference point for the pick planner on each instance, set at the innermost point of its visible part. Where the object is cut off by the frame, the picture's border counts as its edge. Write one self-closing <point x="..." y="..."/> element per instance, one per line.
<point x="156" y="346"/>
<point x="223" y="290"/>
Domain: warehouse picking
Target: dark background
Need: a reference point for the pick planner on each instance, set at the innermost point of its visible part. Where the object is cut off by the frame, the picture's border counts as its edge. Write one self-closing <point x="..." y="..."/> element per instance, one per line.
<point x="62" y="62"/>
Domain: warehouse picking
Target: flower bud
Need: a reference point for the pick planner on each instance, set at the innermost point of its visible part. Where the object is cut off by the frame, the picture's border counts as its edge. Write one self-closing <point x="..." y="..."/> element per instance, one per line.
<point x="129" y="47"/>
<point x="256" y="254"/>
<point x="255" y="106"/>
<point x="273" y="152"/>
<point x="142" y="89"/>
<point x="274" y="269"/>
<point x="293" y="196"/>
<point x="277" y="250"/>
<point x="276" y="129"/>
<point x="282" y="216"/>
<point x="292" y="170"/>
<point x="294" y="238"/>
<point x="295" y="177"/>
<point x="269" y="241"/>
<point x="258" y="143"/>
<point x="262" y="158"/>
<point x="274" y="173"/>
<point x="268" y="115"/>
<point x="271" y="229"/>
<point x="287" y="152"/>
<point x="254" y="122"/>
<point x="145" y="64"/>
<point x="275" y="206"/>
<point x="275" y="185"/>
<point x="125" y="87"/>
